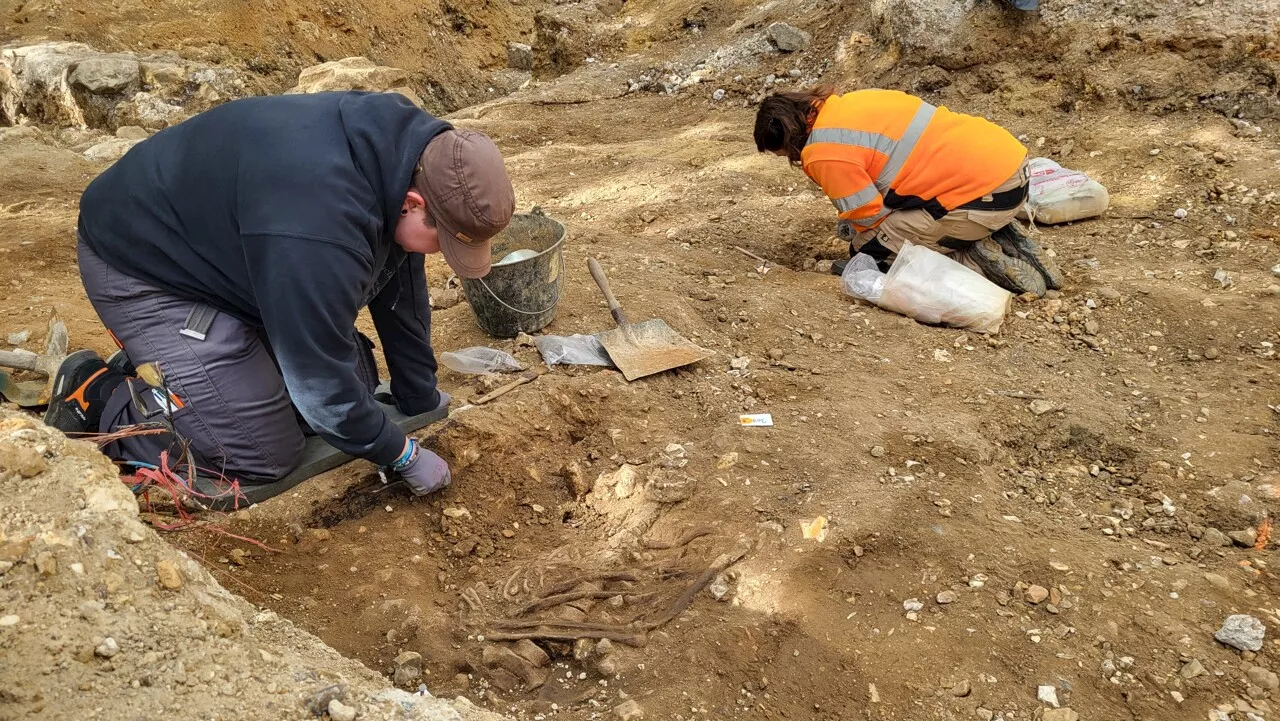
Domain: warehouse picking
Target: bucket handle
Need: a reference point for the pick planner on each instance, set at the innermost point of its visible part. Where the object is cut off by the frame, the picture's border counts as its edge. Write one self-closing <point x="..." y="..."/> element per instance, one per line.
<point x="554" y="301"/>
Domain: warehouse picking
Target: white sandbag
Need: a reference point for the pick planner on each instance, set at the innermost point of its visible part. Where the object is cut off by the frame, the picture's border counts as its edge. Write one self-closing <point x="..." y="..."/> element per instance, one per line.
<point x="931" y="288"/>
<point x="1061" y="195"/>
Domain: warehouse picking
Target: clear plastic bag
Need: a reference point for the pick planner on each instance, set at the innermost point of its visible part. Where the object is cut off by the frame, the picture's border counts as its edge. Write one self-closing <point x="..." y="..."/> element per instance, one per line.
<point x="572" y="350"/>
<point x="1061" y="195"/>
<point x="478" y="360"/>
<point x="862" y="278"/>
<point x="931" y="288"/>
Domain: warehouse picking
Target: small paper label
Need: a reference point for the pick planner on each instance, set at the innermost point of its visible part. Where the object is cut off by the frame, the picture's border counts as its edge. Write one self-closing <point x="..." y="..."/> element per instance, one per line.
<point x="756" y="419"/>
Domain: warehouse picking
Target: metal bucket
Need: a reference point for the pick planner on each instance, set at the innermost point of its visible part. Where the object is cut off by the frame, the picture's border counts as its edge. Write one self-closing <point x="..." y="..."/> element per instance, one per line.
<point x="520" y="296"/>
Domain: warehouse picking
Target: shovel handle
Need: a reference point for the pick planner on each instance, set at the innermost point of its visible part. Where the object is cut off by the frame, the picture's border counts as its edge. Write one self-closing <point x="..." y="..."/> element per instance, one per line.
<point x="614" y="306"/>
<point x="19" y="361"/>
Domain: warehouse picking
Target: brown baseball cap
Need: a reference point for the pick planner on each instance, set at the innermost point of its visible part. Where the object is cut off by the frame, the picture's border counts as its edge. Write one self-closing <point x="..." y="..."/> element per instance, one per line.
<point x="469" y="196"/>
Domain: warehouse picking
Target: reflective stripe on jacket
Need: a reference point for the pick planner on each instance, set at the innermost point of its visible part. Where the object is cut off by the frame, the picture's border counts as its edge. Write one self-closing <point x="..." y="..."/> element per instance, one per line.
<point x="876" y="151"/>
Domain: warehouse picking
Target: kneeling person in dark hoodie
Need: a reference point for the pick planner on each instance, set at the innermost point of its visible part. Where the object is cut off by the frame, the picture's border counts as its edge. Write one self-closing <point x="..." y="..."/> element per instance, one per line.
<point x="236" y="249"/>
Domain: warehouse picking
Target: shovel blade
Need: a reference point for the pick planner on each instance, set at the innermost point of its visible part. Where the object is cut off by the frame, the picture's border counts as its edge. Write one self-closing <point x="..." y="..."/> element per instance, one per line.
<point x="37" y="391"/>
<point x="27" y="394"/>
<point x="643" y="349"/>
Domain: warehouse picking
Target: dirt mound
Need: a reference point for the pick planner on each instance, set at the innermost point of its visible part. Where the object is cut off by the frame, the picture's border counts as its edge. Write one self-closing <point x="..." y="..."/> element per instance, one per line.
<point x="452" y="48"/>
<point x="99" y="617"/>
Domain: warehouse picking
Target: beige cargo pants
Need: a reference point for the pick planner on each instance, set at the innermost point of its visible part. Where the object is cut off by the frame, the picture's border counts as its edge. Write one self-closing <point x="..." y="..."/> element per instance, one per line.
<point x="920" y="228"/>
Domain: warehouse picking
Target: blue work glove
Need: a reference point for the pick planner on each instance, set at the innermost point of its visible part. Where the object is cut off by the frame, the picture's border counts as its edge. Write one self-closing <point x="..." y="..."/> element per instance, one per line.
<point x="423" y="470"/>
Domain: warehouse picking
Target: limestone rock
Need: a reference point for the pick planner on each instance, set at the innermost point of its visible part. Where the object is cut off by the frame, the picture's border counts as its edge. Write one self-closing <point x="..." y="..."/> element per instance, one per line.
<point x="532" y="652"/>
<point x="501" y="657"/>
<point x="109" y="151"/>
<point x="1036" y="594"/>
<point x="1235" y="504"/>
<point x="628" y="711"/>
<point x="106" y="75"/>
<point x="444" y="298"/>
<point x="1245" y="539"/>
<point x="788" y="38"/>
<point x="147" y="111"/>
<point x="1242" y="632"/>
<point x="168" y="575"/>
<point x="937" y="32"/>
<point x="1215" y="538"/>
<point x="355" y="73"/>
<point x="26" y="461"/>
<point x="73" y="85"/>
<point x="1263" y="678"/>
<point x="132" y="132"/>
<point x="17" y="133"/>
<point x="339" y="711"/>
<point x="407" y="668"/>
<point x="519" y="56"/>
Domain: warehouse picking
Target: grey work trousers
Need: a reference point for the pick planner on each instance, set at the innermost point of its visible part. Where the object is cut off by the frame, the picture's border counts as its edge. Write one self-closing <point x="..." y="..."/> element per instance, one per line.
<point x="231" y="402"/>
<point x="918" y="227"/>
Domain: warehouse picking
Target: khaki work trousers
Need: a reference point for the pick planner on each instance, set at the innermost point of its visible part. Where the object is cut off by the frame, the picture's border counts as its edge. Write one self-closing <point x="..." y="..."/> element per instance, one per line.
<point x="919" y="228"/>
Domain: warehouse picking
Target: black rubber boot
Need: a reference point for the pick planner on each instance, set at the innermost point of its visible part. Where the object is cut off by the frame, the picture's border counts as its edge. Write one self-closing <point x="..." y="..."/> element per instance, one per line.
<point x="1018" y="244"/>
<point x="1013" y="274"/>
<point x="119" y="362"/>
<point x="81" y="388"/>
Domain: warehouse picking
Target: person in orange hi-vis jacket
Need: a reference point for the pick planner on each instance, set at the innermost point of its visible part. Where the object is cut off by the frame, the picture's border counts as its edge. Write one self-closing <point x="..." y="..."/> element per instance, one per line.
<point x="900" y="170"/>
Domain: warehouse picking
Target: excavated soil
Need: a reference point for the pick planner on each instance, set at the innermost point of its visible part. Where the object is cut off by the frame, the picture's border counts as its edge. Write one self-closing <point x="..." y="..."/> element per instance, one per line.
<point x="1097" y="449"/>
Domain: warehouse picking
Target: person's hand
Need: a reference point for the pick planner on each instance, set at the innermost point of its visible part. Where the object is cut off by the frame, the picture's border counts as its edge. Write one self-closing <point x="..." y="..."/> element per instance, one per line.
<point x="846" y="231"/>
<point x="424" y="471"/>
<point x="445" y="398"/>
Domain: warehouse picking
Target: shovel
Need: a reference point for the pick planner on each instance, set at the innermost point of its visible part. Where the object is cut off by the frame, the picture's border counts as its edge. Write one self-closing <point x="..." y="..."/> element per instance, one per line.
<point x="36" y="392"/>
<point x="642" y="349"/>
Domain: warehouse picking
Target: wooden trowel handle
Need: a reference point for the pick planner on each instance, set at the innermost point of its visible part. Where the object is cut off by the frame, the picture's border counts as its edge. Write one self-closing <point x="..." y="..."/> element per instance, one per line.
<point x="614" y="306"/>
<point x="20" y="361"/>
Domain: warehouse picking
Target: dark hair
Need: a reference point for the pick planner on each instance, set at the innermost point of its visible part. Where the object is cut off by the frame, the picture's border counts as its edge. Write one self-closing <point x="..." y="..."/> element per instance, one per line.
<point x="784" y="118"/>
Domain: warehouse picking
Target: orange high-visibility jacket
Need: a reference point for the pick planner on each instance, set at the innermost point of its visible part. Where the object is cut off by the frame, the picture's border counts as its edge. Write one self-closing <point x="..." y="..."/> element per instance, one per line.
<point x="876" y="151"/>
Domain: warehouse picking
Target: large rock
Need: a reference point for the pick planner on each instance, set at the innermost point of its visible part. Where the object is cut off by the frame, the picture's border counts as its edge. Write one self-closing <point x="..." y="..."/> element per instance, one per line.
<point x="109" y="151"/>
<point x="355" y="74"/>
<point x="519" y="56"/>
<point x="105" y="619"/>
<point x="107" y="74"/>
<point x="937" y="32"/>
<point x="1243" y="632"/>
<point x="788" y="38"/>
<point x="33" y="84"/>
<point x="73" y="85"/>
<point x="151" y="112"/>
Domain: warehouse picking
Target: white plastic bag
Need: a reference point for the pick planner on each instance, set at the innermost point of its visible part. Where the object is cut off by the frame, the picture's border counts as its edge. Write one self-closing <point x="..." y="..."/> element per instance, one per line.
<point x="931" y="288"/>
<point x="862" y="278"/>
<point x="1061" y="195"/>
<point x="575" y="349"/>
<point x="478" y="360"/>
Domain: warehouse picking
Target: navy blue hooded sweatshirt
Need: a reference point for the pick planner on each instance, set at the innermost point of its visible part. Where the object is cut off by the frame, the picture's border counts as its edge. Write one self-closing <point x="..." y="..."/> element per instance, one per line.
<point x="281" y="211"/>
